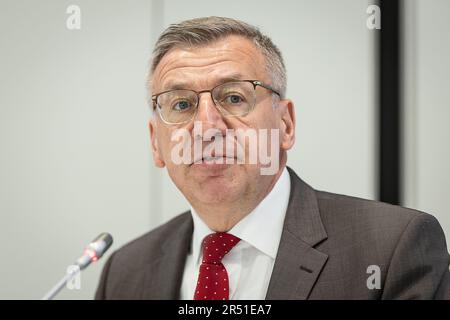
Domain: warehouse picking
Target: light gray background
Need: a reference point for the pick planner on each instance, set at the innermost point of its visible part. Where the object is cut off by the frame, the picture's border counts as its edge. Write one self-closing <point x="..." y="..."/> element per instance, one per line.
<point x="75" y="157"/>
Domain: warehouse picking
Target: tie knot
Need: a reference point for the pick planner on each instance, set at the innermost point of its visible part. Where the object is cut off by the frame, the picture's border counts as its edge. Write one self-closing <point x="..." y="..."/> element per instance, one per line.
<point x="217" y="245"/>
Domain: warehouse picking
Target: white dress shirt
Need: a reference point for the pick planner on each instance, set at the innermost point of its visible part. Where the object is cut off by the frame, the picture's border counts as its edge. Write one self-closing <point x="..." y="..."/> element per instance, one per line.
<point x="250" y="263"/>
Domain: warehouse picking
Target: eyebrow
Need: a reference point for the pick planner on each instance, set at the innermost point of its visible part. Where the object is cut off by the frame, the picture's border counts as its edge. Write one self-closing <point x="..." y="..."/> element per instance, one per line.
<point x="180" y="85"/>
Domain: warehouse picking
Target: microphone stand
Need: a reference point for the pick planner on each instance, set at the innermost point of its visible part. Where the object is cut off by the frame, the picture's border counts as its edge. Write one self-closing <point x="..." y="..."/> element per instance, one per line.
<point x="62" y="283"/>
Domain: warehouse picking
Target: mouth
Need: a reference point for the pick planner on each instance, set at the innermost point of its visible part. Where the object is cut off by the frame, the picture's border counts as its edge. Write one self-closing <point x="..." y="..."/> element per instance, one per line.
<point x="215" y="161"/>
<point x="216" y="158"/>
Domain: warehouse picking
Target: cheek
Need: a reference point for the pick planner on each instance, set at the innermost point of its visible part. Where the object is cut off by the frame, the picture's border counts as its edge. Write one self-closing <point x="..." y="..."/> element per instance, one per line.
<point x="175" y="147"/>
<point x="266" y="119"/>
<point x="164" y="144"/>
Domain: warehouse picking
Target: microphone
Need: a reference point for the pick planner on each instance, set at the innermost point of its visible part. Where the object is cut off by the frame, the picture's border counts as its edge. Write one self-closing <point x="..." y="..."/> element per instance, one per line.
<point x="92" y="253"/>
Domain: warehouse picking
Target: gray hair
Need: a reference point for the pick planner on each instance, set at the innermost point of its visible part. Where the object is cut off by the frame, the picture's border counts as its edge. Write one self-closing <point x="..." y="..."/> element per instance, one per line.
<point x="203" y="31"/>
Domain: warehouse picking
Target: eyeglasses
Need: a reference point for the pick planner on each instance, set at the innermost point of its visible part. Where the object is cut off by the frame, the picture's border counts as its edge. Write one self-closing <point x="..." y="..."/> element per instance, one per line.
<point x="234" y="98"/>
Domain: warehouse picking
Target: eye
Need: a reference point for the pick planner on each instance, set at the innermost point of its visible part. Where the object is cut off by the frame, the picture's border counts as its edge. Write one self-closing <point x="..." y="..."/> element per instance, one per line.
<point x="181" y="105"/>
<point x="233" y="99"/>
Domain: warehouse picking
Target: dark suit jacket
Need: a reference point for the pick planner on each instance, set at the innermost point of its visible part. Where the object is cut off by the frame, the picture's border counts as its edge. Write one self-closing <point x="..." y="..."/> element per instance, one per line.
<point x="327" y="245"/>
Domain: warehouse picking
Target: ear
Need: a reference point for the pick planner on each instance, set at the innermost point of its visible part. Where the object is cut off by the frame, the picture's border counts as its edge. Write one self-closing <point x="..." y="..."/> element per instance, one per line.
<point x="157" y="157"/>
<point x="287" y="134"/>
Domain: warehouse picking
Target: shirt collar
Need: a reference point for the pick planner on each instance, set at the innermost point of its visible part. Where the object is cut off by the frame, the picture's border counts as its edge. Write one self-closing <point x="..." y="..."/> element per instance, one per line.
<point x="261" y="228"/>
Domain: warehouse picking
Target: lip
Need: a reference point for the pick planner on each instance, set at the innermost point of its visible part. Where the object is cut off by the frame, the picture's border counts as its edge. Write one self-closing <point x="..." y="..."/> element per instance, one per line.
<point x="214" y="156"/>
<point x="214" y="161"/>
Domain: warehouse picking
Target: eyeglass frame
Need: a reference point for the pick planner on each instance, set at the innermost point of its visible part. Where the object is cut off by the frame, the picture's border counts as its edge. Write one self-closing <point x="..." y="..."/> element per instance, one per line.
<point x="254" y="82"/>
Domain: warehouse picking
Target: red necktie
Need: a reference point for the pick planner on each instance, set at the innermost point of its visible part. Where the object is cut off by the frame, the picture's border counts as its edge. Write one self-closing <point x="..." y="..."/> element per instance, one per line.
<point x="212" y="281"/>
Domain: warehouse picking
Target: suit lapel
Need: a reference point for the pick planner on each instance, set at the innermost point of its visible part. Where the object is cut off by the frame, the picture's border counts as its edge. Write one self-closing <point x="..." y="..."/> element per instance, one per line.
<point x="298" y="264"/>
<point x="163" y="276"/>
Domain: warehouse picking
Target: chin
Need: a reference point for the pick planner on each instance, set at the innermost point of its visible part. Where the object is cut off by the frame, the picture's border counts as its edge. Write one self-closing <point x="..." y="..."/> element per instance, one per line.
<point x="210" y="184"/>
<point x="217" y="190"/>
<point x="220" y="197"/>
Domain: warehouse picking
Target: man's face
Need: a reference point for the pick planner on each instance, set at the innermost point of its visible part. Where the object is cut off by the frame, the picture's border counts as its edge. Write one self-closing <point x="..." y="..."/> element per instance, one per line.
<point x="203" y="68"/>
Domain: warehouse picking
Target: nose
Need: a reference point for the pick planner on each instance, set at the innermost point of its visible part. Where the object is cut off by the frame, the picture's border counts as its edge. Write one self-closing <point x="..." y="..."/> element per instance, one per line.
<point x="208" y="113"/>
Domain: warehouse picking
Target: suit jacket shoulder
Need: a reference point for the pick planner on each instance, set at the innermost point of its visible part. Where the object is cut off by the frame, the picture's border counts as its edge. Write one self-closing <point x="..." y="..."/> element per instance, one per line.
<point x="151" y="241"/>
<point x="127" y="273"/>
<point x="369" y="249"/>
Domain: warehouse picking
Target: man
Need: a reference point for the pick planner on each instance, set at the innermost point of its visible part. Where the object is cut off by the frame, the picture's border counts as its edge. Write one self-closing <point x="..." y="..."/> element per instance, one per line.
<point x="250" y="233"/>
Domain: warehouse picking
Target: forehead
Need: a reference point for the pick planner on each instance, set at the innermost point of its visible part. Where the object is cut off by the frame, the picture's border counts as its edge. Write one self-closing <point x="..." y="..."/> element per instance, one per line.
<point x="233" y="57"/>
